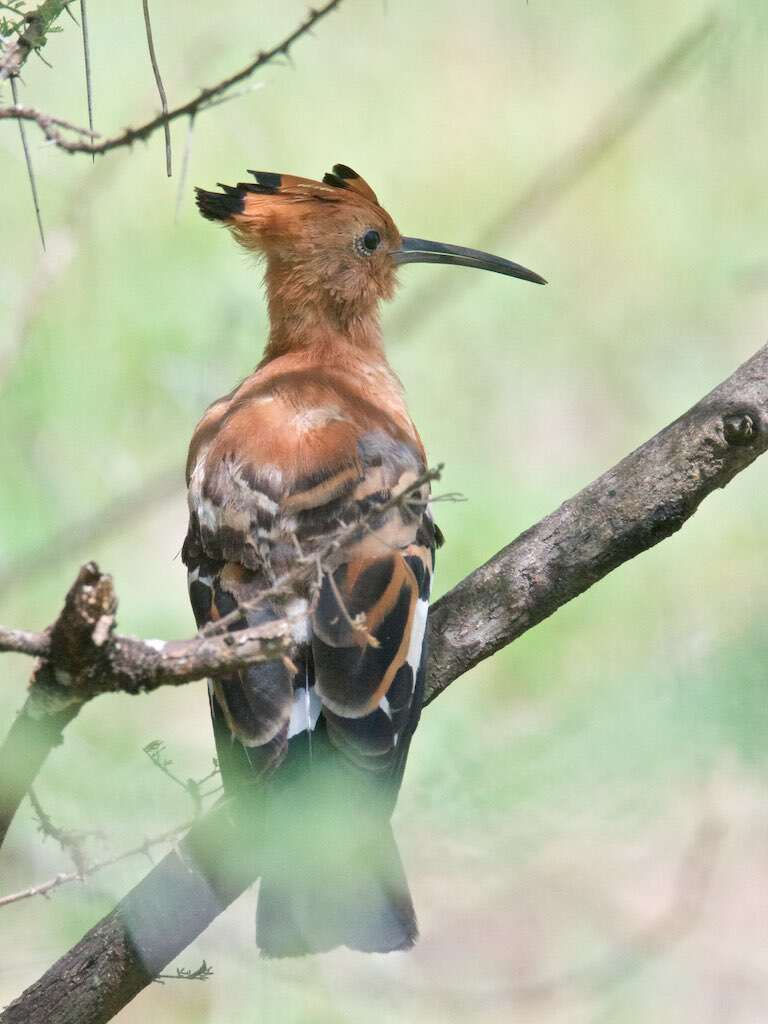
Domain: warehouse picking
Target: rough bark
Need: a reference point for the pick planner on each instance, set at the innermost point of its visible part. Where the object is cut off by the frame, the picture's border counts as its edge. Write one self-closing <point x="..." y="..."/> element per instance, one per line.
<point x="117" y="958"/>
<point x="642" y="500"/>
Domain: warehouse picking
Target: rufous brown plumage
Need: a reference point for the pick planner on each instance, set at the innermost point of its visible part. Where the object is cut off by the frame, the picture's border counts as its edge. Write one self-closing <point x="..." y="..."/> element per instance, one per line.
<point x="314" y="445"/>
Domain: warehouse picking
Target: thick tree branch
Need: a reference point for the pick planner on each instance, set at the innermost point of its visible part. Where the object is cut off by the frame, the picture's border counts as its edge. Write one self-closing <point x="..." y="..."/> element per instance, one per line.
<point x="52" y="127"/>
<point x="212" y="865"/>
<point x="643" y="499"/>
<point x="83" y="656"/>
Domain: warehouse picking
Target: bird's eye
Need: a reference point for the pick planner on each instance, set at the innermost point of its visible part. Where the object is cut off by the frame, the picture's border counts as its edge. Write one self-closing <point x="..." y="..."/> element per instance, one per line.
<point x="369" y="242"/>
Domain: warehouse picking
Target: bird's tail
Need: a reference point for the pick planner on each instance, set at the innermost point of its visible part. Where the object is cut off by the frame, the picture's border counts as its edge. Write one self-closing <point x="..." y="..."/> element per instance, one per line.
<point x="351" y="893"/>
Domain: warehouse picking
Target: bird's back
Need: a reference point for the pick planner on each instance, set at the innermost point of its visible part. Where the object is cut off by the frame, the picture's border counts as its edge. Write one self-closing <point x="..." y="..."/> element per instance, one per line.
<point x="287" y="477"/>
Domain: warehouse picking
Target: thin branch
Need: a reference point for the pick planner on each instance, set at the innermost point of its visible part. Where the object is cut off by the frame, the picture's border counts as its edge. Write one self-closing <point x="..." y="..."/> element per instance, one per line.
<point x="155" y="751"/>
<point x="160" y="86"/>
<point x="28" y="160"/>
<point x="87" y="64"/>
<point x="108" y="663"/>
<point x="38" y="24"/>
<point x="84" y="656"/>
<point x="46" y="122"/>
<point x="66" y="877"/>
<point x="212" y="865"/>
<point x="555" y="181"/>
<point x="70" y="840"/>
<point x="641" y="501"/>
<point x="550" y="185"/>
<point x="199" y="102"/>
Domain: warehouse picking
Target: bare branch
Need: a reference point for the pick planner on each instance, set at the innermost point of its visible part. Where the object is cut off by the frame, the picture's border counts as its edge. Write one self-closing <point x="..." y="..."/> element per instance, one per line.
<point x="66" y="877"/>
<point x="84" y="656"/>
<point x="642" y="500"/>
<point x="199" y="102"/>
<point x="554" y="181"/>
<point x="47" y="123"/>
<point x="103" y="662"/>
<point x="126" y="951"/>
<point x="38" y="24"/>
<point x="160" y="86"/>
<point x="28" y="161"/>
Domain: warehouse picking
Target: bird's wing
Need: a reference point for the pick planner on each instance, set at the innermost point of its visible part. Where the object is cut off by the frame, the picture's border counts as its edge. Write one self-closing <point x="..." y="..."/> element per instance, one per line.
<point x="276" y="471"/>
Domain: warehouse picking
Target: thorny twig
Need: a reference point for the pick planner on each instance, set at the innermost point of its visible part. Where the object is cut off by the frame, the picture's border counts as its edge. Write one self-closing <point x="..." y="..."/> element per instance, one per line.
<point x="639" y="502"/>
<point x="65" y="877"/>
<point x="31" y="32"/>
<point x="71" y="840"/>
<point x="551" y="184"/>
<point x="204" y="99"/>
<point x="155" y="751"/>
<point x="145" y="665"/>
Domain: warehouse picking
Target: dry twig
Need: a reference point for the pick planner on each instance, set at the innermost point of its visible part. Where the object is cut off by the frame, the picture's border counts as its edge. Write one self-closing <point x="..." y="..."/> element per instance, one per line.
<point x="205" y="98"/>
<point x="550" y="185"/>
<point x="641" y="501"/>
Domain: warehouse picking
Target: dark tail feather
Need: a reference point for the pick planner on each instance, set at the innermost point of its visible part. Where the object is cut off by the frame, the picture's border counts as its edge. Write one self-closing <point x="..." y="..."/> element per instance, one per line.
<point x="319" y="902"/>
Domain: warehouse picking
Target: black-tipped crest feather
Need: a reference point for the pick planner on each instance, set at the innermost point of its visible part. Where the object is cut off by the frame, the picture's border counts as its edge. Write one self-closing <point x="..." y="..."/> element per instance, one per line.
<point x="223" y="205"/>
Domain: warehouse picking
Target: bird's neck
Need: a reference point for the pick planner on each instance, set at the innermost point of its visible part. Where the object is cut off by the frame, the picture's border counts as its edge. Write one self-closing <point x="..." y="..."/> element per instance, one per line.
<point x="303" y="318"/>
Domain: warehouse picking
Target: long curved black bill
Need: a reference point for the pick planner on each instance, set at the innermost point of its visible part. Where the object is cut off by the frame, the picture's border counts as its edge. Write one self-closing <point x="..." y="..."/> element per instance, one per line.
<point x="421" y="250"/>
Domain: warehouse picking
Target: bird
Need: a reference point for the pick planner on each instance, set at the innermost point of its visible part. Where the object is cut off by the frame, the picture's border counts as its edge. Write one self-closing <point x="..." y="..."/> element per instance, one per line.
<point x="311" y="470"/>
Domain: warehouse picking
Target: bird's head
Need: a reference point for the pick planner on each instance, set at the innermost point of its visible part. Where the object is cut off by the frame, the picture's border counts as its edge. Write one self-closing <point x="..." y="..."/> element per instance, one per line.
<point x="329" y="245"/>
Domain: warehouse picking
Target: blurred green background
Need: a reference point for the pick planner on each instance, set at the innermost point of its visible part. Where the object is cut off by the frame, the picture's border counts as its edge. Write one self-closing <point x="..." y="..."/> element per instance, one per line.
<point x="584" y="817"/>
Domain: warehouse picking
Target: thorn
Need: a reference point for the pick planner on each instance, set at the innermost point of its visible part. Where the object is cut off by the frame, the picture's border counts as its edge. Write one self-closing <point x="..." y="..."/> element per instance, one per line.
<point x="160" y="87"/>
<point x="30" y="170"/>
<point x="87" y="62"/>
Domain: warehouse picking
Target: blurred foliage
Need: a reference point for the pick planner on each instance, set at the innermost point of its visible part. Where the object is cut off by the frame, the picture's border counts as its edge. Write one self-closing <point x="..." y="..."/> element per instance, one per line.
<point x="551" y="793"/>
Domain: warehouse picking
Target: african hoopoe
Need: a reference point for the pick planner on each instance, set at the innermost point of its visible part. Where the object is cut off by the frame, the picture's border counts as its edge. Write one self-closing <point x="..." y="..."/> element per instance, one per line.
<point x="317" y="437"/>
